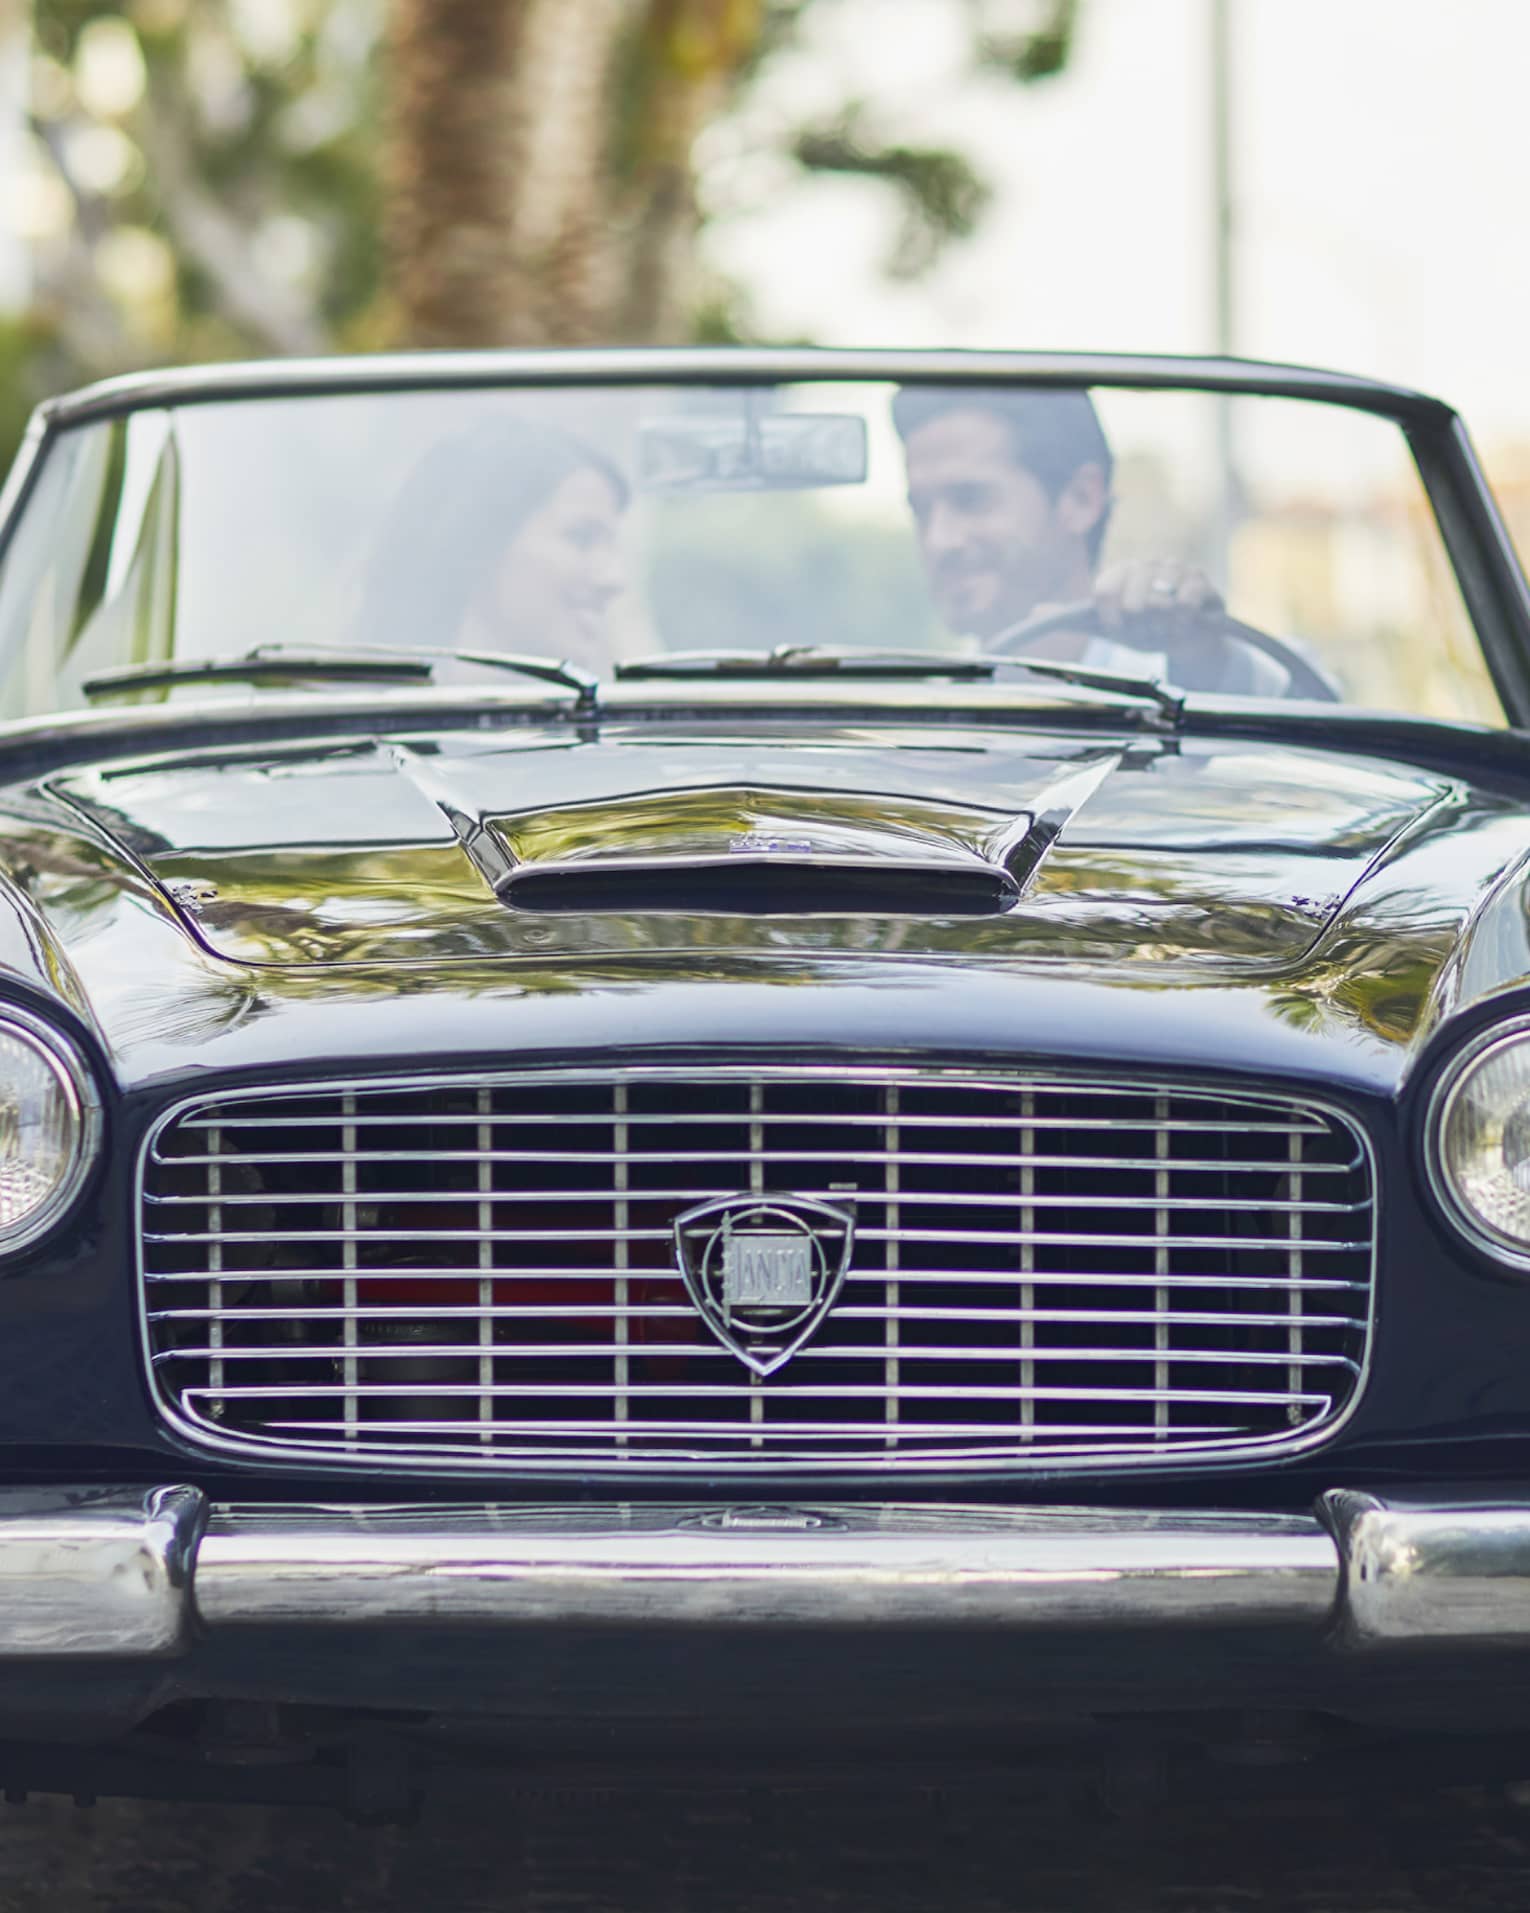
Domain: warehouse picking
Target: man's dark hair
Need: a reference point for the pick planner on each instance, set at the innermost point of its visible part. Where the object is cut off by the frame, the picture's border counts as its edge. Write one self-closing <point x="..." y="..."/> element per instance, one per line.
<point x="1051" y="433"/>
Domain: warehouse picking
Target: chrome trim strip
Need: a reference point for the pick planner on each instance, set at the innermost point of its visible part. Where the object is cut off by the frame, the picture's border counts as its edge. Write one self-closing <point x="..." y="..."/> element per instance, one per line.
<point x="1023" y="848"/>
<point x="132" y="1572"/>
<point x="707" y="1435"/>
<point x="483" y="846"/>
<point x="1416" y="1575"/>
<point x="739" y="1074"/>
<point x="763" y="1566"/>
<point x="94" y="1573"/>
<point x="981" y="1462"/>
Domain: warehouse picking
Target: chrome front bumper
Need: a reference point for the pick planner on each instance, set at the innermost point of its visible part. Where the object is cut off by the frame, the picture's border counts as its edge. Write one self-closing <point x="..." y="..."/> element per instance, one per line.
<point x="145" y="1573"/>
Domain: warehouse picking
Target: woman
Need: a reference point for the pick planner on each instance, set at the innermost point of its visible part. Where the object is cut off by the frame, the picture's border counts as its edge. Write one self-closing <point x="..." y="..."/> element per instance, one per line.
<point x="505" y="537"/>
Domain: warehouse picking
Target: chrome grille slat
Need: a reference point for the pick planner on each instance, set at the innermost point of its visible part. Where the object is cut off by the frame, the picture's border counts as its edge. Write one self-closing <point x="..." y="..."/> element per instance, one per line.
<point x="785" y="1391"/>
<point x="447" y="1312"/>
<point x="906" y="1158"/>
<point x="349" y="1236"/>
<point x="927" y="1277"/>
<point x="622" y="1197"/>
<point x="756" y="1188"/>
<point x="892" y="1215"/>
<point x="214" y="1206"/>
<point x="711" y="1432"/>
<point x="704" y="1120"/>
<point x="848" y="1352"/>
<point x="1027" y="1220"/>
<point x="485" y="1169"/>
<point x="1294" y="1266"/>
<point x="971" y="1237"/>
<point x="1163" y="1205"/>
<point x="1044" y="1268"/>
<point x="623" y="1320"/>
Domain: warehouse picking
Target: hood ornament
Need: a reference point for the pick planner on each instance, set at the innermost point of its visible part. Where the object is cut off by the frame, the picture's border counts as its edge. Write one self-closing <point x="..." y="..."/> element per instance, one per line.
<point x="760" y="843"/>
<point x="763" y="1271"/>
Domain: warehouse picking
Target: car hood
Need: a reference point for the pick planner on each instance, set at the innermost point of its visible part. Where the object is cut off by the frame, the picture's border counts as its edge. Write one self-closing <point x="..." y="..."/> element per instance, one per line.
<point x="495" y="858"/>
<point x="428" y="849"/>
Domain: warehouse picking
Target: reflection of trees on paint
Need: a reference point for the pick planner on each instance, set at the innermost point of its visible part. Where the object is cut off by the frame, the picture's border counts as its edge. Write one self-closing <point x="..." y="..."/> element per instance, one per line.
<point x="687" y="822"/>
<point x="1374" y="978"/>
<point x="376" y="923"/>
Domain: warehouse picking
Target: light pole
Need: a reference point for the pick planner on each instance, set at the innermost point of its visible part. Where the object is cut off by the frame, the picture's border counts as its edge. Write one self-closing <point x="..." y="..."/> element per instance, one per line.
<point x="1223" y="229"/>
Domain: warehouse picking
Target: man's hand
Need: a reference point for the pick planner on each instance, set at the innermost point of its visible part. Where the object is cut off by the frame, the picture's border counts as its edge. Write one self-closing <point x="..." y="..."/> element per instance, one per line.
<point x="1154" y="587"/>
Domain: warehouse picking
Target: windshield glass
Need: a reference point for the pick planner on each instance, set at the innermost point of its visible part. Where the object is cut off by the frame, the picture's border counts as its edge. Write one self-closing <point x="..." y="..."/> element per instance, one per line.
<point x="603" y="524"/>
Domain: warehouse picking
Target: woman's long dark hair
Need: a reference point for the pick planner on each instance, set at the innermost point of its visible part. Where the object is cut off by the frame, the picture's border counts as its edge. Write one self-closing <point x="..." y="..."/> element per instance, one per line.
<point x="455" y="516"/>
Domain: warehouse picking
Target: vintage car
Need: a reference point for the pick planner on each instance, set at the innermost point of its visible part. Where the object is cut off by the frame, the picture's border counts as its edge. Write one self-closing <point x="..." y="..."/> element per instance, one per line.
<point x="712" y="1053"/>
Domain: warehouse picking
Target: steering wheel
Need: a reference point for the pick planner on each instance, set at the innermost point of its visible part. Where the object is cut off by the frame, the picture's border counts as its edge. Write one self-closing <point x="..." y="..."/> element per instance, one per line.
<point x="1303" y="679"/>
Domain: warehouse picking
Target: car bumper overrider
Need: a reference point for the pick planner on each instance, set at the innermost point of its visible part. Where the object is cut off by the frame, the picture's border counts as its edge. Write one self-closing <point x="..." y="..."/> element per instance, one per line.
<point x="146" y="1573"/>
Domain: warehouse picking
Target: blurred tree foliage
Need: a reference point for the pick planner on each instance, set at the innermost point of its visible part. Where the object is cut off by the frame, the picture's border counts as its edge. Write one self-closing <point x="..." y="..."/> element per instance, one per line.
<point x="202" y="182"/>
<point x="543" y="177"/>
<point x="217" y="178"/>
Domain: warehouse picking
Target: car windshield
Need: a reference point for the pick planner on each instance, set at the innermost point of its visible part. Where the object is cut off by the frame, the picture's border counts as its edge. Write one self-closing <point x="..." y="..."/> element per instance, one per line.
<point x="611" y="525"/>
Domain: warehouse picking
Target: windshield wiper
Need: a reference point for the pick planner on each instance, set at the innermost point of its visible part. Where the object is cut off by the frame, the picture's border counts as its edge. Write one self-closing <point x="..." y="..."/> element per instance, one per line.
<point x="810" y="661"/>
<point x="804" y="661"/>
<point x="148" y="677"/>
<point x="1169" y="701"/>
<point x="379" y="666"/>
<point x="584" y="684"/>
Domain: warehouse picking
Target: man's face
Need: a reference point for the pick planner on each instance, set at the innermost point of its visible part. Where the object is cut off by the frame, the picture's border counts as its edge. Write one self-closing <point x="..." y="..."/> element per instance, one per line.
<point x="995" y="543"/>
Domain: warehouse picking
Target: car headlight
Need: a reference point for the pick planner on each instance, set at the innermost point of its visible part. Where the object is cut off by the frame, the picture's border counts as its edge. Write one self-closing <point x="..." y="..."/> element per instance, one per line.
<point x="1479" y="1142"/>
<point x="49" y="1121"/>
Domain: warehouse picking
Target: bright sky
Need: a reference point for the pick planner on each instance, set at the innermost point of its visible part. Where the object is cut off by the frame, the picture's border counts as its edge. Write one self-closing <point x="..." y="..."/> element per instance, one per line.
<point x="1382" y="167"/>
<point x="1382" y="172"/>
<point x="13" y="80"/>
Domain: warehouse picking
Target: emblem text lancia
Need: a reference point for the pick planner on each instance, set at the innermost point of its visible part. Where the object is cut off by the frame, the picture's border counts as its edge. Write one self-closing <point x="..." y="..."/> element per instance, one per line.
<point x="763" y="1271"/>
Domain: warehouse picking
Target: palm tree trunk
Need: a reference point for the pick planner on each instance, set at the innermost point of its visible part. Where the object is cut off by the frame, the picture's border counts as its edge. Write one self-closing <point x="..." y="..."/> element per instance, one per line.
<point x="450" y="165"/>
<point x="496" y="175"/>
<point x="540" y="171"/>
<point x="691" y="53"/>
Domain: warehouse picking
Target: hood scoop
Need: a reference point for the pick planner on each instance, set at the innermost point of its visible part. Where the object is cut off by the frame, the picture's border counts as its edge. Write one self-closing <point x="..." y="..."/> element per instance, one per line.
<point x="762" y="853"/>
<point x="767" y="886"/>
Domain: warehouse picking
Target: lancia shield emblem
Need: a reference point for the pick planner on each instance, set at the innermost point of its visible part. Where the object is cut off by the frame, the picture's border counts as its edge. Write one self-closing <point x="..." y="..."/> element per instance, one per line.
<point x="763" y="1271"/>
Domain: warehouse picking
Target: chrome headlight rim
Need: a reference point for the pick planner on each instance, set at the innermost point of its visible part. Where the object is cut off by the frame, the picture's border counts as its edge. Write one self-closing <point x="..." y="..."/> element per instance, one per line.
<point x="1505" y="1251"/>
<point x="78" y="1085"/>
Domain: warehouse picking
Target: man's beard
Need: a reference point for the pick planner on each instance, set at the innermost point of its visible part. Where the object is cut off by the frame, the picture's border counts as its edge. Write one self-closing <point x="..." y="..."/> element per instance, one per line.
<point x="984" y="614"/>
<point x="1042" y="578"/>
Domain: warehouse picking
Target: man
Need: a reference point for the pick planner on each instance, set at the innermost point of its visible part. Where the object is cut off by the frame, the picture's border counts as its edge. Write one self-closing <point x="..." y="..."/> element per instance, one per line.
<point x="1010" y="492"/>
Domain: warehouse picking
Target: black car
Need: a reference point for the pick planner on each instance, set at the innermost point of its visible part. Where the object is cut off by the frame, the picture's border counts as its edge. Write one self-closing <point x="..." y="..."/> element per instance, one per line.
<point x="699" y="1049"/>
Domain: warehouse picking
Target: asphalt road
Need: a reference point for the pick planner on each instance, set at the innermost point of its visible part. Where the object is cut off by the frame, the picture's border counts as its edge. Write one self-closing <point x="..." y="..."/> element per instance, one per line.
<point x="1334" y="1848"/>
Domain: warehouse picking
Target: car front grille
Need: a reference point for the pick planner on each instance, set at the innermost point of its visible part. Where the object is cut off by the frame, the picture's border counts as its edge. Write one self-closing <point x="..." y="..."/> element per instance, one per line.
<point x="485" y="1269"/>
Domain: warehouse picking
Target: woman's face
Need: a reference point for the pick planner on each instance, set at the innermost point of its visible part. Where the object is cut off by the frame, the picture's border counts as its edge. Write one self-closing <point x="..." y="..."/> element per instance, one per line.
<point x="553" y="586"/>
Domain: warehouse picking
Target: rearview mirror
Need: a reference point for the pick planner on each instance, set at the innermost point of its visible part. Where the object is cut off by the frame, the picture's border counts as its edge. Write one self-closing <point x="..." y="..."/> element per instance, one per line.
<point x="787" y="451"/>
